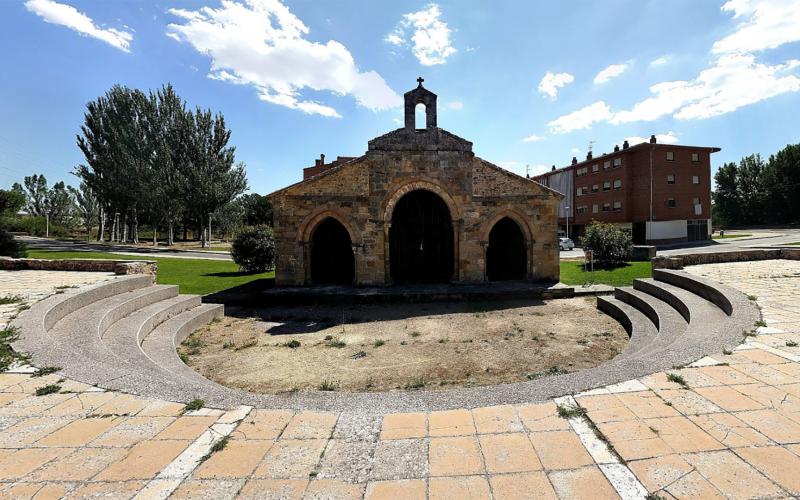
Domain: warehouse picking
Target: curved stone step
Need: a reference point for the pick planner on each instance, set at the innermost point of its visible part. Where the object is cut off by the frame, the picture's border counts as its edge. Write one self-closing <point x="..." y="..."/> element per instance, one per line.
<point x="669" y="322"/>
<point x="651" y="287"/>
<point x="713" y="292"/>
<point x="125" y="336"/>
<point x="161" y="346"/>
<point x="639" y="327"/>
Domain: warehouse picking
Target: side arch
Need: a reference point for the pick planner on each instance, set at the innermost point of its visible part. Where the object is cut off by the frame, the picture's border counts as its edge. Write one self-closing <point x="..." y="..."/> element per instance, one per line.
<point x="307" y="227"/>
<point x="512" y="214"/>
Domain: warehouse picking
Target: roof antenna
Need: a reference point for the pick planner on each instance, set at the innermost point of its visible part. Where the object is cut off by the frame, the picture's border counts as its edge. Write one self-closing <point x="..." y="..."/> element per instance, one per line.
<point x="591" y="143"/>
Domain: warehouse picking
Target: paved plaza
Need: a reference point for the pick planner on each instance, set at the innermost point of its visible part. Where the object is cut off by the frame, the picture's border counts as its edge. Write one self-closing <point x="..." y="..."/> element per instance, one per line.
<point x="728" y="426"/>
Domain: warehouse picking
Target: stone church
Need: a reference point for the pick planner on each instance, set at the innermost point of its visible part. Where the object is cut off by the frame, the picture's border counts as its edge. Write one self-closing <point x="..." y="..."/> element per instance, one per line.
<point x="417" y="207"/>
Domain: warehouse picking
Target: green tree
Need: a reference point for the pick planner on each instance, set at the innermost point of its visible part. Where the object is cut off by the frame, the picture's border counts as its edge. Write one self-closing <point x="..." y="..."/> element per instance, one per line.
<point x="212" y="178"/>
<point x="257" y="210"/>
<point x="10" y="203"/>
<point x="87" y="205"/>
<point x="782" y="185"/>
<point x="727" y="207"/>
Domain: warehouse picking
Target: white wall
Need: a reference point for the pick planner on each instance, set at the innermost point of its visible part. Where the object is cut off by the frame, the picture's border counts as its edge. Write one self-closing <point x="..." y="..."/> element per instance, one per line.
<point x="666" y="230"/>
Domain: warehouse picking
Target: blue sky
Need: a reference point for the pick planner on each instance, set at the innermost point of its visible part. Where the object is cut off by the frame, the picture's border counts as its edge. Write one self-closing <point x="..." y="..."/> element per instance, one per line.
<point x="530" y="83"/>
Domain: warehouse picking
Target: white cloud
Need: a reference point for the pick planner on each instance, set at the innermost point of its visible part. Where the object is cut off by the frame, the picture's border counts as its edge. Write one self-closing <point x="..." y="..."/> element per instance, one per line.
<point x="733" y="79"/>
<point x="261" y="43"/>
<point x="668" y="138"/>
<point x="533" y="138"/>
<point x="769" y="24"/>
<point x="457" y="105"/>
<point x="731" y="82"/>
<point x="661" y="61"/>
<point x="72" y="18"/>
<point x="430" y="39"/>
<point x="535" y="170"/>
<point x="551" y="82"/>
<point x="581" y="119"/>
<point x="611" y="71"/>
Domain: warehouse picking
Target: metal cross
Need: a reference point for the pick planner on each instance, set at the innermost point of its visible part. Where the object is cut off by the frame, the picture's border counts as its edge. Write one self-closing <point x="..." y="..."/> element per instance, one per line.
<point x="420" y="80"/>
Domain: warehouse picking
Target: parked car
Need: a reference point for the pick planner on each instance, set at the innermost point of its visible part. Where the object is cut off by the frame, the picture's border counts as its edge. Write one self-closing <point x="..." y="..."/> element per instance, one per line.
<point x="565" y="244"/>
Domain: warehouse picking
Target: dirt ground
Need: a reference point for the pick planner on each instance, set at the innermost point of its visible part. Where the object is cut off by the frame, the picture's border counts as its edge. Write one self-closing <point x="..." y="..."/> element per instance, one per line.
<point x="402" y="346"/>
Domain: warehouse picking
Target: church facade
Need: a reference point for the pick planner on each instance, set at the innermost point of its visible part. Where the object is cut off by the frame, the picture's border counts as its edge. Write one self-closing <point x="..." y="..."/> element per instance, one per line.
<point x="417" y="207"/>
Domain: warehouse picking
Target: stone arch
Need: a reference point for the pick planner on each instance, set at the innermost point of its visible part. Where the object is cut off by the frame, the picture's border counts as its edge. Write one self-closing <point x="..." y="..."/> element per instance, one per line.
<point x="306" y="231"/>
<point x="512" y="214"/>
<point x="308" y="225"/>
<point x="394" y="196"/>
<point x="331" y="256"/>
<point x="522" y="222"/>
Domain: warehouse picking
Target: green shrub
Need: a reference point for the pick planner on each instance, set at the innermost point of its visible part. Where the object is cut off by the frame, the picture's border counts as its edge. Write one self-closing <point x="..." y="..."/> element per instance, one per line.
<point x="254" y="249"/>
<point x="609" y="244"/>
<point x="9" y="247"/>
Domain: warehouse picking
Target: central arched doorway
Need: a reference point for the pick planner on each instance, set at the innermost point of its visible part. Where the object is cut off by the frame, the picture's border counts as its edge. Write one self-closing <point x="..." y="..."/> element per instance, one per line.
<point x="421" y="239"/>
<point x="505" y="257"/>
<point x="331" y="254"/>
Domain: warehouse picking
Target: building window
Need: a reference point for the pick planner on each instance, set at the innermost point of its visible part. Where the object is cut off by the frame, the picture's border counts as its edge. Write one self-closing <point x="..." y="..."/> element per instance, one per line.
<point x="581" y="191"/>
<point x="695" y="179"/>
<point x="595" y="188"/>
<point x="670" y="179"/>
<point x="617" y="206"/>
<point x="670" y="155"/>
<point x="606" y="185"/>
<point x="671" y="203"/>
<point x="695" y="157"/>
<point x="582" y="171"/>
<point x="582" y="209"/>
<point x="606" y="207"/>
<point x="595" y="208"/>
<point x="695" y="201"/>
<point x="606" y="165"/>
<point x="595" y="168"/>
<point x="618" y="184"/>
<point x="617" y="162"/>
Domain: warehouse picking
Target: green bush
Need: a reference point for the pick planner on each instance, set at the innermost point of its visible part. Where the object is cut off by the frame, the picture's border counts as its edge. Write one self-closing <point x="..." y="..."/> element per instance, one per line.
<point x="609" y="244"/>
<point x="34" y="226"/>
<point x="9" y="247"/>
<point x="254" y="249"/>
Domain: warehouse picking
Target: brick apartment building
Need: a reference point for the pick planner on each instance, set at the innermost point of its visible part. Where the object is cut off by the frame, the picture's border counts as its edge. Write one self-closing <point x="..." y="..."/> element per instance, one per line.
<point x="660" y="192"/>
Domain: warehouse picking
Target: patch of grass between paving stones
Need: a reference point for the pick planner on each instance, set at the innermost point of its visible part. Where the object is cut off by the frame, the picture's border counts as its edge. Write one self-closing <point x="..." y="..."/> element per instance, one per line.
<point x="47" y="389"/>
<point x="218" y="446"/>
<point x="678" y="379"/>
<point x="10" y="299"/>
<point x="194" y="405"/>
<point x="7" y="355"/>
<point x="554" y="370"/>
<point x="46" y="370"/>
<point x="571" y="411"/>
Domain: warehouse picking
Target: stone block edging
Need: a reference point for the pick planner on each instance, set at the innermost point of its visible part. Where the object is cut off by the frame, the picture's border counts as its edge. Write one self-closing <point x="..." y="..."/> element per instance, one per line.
<point x="121" y="267"/>
<point x="682" y="260"/>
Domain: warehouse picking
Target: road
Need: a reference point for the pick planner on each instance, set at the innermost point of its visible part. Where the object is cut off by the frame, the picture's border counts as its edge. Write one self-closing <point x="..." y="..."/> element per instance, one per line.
<point x="34" y="242"/>
<point x="760" y="238"/>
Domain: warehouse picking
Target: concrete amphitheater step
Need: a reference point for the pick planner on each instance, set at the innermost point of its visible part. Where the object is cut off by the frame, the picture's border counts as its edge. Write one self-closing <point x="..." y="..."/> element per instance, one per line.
<point x="125" y="336"/>
<point x="640" y="329"/>
<point x="667" y="320"/>
<point x="82" y="330"/>
<point x="161" y="346"/>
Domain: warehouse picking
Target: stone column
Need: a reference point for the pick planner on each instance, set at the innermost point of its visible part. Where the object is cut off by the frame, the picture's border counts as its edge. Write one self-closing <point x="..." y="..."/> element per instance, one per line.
<point x="356" y="262"/>
<point x="305" y="249"/>
<point x="529" y="248"/>
<point x="456" y="276"/>
<point x="387" y="262"/>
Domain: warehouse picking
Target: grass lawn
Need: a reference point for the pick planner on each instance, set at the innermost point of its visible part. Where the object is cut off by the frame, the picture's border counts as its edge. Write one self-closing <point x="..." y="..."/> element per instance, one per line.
<point x="796" y="243"/>
<point x="727" y="236"/>
<point x="197" y="276"/>
<point x="572" y="273"/>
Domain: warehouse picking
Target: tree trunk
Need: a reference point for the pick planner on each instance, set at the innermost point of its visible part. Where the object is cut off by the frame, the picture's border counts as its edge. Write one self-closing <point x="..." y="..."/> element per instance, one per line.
<point x="155" y="235"/>
<point x="170" y="234"/>
<point x="135" y="227"/>
<point x="101" y="223"/>
<point x="125" y="228"/>
<point x="113" y="229"/>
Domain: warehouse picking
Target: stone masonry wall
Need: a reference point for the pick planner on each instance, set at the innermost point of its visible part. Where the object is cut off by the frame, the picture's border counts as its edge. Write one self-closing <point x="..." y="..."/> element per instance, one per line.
<point x="104" y="266"/>
<point x="362" y="194"/>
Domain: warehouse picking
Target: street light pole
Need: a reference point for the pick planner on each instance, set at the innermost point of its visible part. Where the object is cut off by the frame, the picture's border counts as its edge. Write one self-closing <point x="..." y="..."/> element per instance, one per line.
<point x="567" y="209"/>
<point x="47" y="225"/>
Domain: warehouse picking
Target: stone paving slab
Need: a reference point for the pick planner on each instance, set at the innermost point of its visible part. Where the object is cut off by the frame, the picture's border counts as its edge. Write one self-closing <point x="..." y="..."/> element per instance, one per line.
<point x="730" y="430"/>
